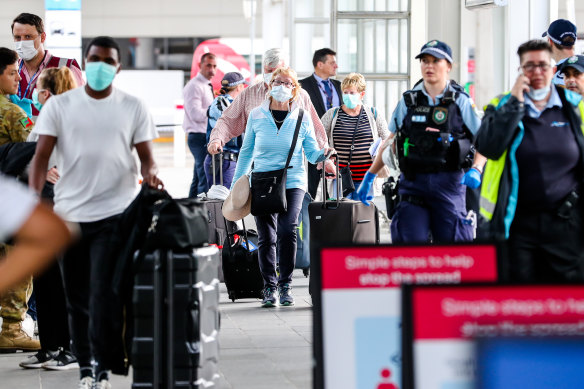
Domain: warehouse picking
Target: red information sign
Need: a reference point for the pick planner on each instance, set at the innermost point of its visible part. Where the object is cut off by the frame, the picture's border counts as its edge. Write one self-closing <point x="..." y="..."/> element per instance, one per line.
<point x="360" y="303"/>
<point x="445" y="322"/>
<point x="390" y="266"/>
<point x="469" y="312"/>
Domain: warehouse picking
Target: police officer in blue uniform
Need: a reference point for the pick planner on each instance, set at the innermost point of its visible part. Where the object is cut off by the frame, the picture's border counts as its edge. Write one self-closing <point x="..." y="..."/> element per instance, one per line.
<point x="561" y="35"/>
<point x="433" y="126"/>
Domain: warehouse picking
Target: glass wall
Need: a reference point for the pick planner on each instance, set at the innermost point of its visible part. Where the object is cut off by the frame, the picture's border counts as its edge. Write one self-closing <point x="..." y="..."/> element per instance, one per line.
<point x="370" y="37"/>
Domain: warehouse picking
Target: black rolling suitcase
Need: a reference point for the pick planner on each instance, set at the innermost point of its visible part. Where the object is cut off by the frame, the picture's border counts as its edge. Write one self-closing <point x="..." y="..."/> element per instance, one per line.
<point x="340" y="222"/>
<point x="241" y="267"/>
<point x="176" y="320"/>
<point x="219" y="227"/>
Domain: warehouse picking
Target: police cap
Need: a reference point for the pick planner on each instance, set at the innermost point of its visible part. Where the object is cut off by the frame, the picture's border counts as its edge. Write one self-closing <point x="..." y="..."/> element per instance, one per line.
<point x="436" y="49"/>
<point x="575" y="61"/>
<point x="562" y="32"/>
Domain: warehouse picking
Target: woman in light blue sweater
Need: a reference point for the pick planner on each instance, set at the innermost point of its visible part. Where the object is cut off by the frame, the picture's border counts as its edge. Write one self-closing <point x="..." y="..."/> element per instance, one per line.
<point x="268" y="138"/>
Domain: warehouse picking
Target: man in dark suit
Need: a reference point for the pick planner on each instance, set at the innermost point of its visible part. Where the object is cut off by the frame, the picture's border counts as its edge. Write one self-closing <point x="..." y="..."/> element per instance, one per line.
<point x="325" y="93"/>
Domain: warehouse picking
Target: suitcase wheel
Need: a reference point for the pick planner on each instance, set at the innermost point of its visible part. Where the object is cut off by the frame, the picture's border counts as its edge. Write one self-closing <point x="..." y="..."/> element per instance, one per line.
<point x="231" y="295"/>
<point x="306" y="272"/>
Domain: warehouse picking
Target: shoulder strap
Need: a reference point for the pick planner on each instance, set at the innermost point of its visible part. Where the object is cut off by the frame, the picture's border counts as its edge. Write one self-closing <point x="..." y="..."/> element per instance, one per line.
<point x="412" y="98"/>
<point x="457" y="87"/>
<point x="374" y="112"/>
<point x="222" y="103"/>
<point x="335" y="112"/>
<point x="295" y="138"/>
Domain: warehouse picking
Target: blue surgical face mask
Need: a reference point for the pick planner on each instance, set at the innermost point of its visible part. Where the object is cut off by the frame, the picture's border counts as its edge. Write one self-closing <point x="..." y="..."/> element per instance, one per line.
<point x="351" y="100"/>
<point x="538" y="94"/>
<point x="281" y="93"/>
<point x="100" y="75"/>
<point x="35" y="100"/>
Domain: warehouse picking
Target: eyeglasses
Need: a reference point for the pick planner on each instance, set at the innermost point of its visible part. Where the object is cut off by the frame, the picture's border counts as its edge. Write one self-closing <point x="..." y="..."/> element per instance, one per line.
<point x="530" y="67"/>
<point x="286" y="84"/>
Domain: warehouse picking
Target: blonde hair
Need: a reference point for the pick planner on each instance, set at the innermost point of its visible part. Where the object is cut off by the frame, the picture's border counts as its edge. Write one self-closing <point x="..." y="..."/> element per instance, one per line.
<point x="354" y="79"/>
<point x="292" y="74"/>
<point x="57" y="80"/>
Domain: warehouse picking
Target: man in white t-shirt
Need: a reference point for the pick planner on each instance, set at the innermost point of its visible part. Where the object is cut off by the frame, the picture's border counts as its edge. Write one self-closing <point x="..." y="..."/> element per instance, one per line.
<point x="94" y="130"/>
<point x="38" y="233"/>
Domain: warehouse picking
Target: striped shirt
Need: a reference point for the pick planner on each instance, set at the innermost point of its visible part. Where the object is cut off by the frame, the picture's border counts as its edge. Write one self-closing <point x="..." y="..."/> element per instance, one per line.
<point x="342" y="137"/>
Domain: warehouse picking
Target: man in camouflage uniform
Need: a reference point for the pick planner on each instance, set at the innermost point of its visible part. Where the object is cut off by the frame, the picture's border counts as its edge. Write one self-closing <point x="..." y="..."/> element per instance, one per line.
<point x="14" y="127"/>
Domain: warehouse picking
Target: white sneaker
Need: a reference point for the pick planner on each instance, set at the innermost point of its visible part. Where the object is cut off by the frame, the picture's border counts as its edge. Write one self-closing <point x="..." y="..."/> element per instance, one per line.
<point x="103" y="384"/>
<point x="37" y="360"/>
<point x="62" y="361"/>
<point x="86" y="383"/>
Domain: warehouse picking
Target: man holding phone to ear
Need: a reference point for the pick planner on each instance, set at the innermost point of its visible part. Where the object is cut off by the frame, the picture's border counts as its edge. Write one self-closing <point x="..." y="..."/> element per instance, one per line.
<point x="533" y="180"/>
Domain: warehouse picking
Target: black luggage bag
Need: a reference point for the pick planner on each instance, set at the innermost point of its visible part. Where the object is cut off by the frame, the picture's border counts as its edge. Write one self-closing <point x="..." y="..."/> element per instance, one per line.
<point x="340" y="222"/>
<point x="219" y="227"/>
<point x="241" y="267"/>
<point x="176" y="320"/>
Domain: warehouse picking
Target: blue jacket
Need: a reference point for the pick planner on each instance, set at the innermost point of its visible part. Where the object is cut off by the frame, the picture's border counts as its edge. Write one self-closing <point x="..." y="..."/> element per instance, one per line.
<point x="267" y="147"/>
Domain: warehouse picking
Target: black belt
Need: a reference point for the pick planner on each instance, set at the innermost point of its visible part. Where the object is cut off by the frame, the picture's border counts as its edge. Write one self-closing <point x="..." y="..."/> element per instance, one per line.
<point x="230" y="156"/>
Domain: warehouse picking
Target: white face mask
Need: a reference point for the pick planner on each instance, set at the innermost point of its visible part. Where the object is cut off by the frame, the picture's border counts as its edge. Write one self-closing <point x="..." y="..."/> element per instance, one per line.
<point x="267" y="78"/>
<point x="538" y="94"/>
<point x="25" y="49"/>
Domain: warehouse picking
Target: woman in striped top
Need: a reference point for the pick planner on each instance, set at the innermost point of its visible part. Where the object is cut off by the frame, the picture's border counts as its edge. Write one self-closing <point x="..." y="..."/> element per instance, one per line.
<point x="354" y="123"/>
<point x="268" y="138"/>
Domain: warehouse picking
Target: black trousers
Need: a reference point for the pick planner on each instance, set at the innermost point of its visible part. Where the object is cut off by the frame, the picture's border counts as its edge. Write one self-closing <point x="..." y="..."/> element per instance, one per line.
<point x="544" y="247"/>
<point x="51" y="309"/>
<point x="86" y="269"/>
<point x="313" y="178"/>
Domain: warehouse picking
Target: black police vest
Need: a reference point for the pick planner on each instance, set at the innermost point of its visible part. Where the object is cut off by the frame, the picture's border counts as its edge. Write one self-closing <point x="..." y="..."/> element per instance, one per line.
<point x="433" y="138"/>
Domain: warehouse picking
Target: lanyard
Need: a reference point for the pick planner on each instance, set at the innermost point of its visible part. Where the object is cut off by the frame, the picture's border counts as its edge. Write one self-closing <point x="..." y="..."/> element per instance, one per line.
<point x="32" y="79"/>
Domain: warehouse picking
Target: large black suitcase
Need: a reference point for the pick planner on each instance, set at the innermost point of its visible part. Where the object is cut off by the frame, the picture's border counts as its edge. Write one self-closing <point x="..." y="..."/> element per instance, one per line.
<point x="218" y="227"/>
<point x="176" y="320"/>
<point x="241" y="268"/>
<point x="340" y="222"/>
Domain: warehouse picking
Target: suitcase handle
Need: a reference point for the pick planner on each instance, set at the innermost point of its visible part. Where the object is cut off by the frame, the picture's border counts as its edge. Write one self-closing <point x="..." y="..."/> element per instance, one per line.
<point x="326" y="203"/>
<point x="193" y="323"/>
<point x="220" y="155"/>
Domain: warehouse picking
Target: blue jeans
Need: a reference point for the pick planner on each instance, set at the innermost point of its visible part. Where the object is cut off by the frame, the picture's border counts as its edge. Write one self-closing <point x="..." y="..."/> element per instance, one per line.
<point x="197" y="146"/>
<point x="439" y="209"/>
<point x="280" y="228"/>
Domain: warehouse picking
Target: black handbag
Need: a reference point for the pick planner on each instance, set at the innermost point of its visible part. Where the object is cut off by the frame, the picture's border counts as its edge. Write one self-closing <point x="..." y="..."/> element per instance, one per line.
<point x="178" y="224"/>
<point x="268" y="189"/>
<point x="346" y="176"/>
